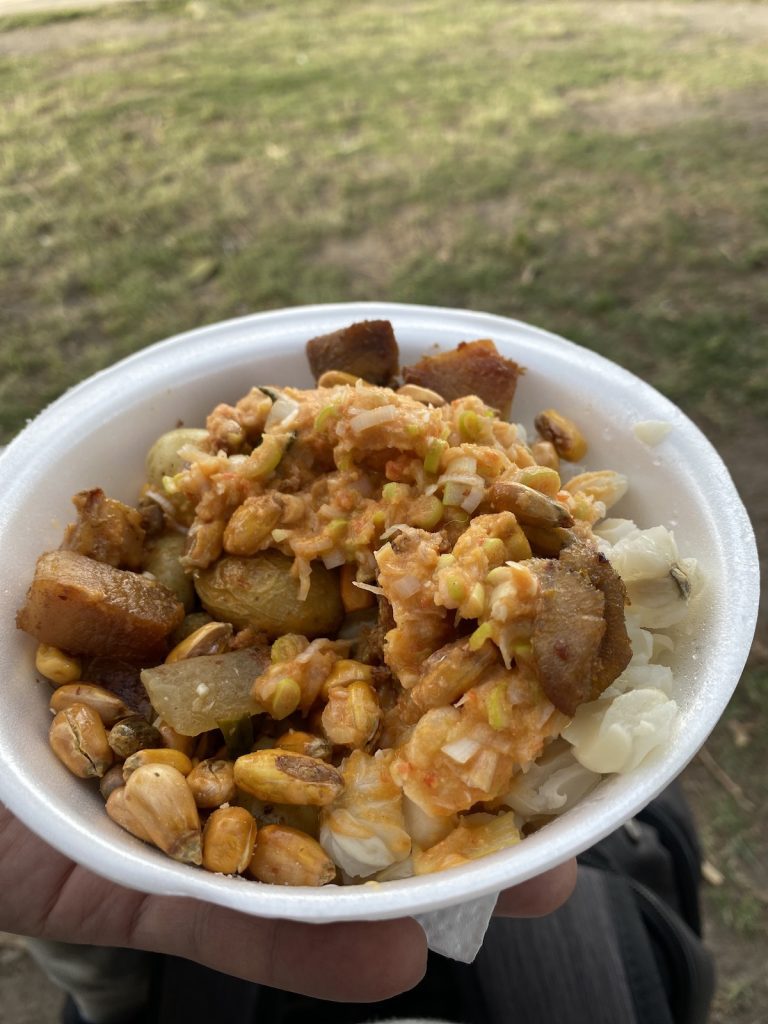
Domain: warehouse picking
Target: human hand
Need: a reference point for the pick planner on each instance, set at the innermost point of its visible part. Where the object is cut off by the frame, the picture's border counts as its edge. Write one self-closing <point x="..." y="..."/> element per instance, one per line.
<point x="48" y="896"/>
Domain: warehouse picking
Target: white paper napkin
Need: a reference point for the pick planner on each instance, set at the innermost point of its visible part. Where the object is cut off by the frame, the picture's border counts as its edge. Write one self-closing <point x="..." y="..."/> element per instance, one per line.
<point x="458" y="932"/>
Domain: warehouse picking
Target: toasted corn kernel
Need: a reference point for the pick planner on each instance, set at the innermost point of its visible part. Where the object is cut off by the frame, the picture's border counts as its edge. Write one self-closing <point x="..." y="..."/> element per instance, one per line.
<point x="228" y="840"/>
<point x="106" y="704"/>
<point x="354" y="599"/>
<point x="251" y="524"/>
<point x="547" y="541"/>
<point x="286" y="856"/>
<point x="175" y="740"/>
<point x="335" y="378"/>
<point x="111" y="780"/>
<point x="212" y="638"/>
<point x="528" y="505"/>
<point x="344" y="672"/>
<point x="604" y="485"/>
<point x="545" y="454"/>
<point x="58" y="667"/>
<point x="278" y="695"/>
<point x="156" y="755"/>
<point x="132" y="734"/>
<point x="160" y="800"/>
<point x="352" y="715"/>
<point x="78" y="738"/>
<point x="296" y="742"/>
<point x="204" y="544"/>
<point x="212" y="782"/>
<point x="419" y="394"/>
<point x="283" y="778"/>
<point x="563" y="433"/>
<point x="120" y="813"/>
<point x="541" y="478"/>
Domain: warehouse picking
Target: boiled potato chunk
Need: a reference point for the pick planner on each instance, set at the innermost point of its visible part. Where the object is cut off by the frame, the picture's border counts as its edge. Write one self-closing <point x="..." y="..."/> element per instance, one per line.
<point x="163" y="562"/>
<point x="194" y="696"/>
<point x="163" y="457"/>
<point x="261" y="593"/>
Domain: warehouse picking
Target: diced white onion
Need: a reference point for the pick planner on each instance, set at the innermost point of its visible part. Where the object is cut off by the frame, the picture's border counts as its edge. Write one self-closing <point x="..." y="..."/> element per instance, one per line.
<point x="473" y="499"/>
<point x="334" y="559"/>
<point x="372" y="418"/>
<point x="461" y="750"/>
<point x="406" y="586"/>
<point x="284" y="411"/>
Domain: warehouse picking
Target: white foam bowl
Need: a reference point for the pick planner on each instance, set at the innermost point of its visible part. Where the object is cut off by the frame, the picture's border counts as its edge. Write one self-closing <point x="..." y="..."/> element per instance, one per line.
<point x="97" y="435"/>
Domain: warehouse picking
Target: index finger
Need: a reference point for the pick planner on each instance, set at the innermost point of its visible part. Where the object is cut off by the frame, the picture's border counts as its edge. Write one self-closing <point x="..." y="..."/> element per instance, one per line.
<point x="538" y="896"/>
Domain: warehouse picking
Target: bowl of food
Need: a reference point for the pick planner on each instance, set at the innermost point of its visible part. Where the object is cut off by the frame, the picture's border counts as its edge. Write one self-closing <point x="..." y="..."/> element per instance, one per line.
<point x="361" y="610"/>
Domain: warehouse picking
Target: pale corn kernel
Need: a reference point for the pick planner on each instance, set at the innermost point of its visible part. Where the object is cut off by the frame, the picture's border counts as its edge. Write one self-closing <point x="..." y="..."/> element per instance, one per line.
<point x="57" y="667"/>
<point x="212" y="638"/>
<point x="286" y="856"/>
<point x="157" y="755"/>
<point x="212" y="782"/>
<point x="288" y="647"/>
<point x="563" y="433"/>
<point x="336" y="378"/>
<point x="106" y="704"/>
<point x="280" y="777"/>
<point x="79" y="740"/>
<point x="541" y="478"/>
<point x="278" y="695"/>
<point x="352" y="715"/>
<point x="545" y="454"/>
<point x="603" y="485"/>
<point x="420" y="394"/>
<point x="159" y="798"/>
<point x="228" y="840"/>
<point x="344" y="672"/>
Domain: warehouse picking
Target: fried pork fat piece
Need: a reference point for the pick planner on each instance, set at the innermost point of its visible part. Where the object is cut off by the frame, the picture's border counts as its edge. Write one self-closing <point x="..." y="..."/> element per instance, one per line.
<point x="89" y="607"/>
<point x="106" y="530"/>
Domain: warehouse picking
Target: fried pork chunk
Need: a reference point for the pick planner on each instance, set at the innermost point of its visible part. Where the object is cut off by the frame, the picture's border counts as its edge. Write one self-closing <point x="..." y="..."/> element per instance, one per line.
<point x="474" y="368"/>
<point x="579" y="640"/>
<point x="367" y="349"/>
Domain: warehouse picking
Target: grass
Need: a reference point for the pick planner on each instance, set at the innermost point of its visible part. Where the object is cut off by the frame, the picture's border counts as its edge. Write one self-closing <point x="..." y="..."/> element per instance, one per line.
<point x="190" y="162"/>
<point x="597" y="169"/>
